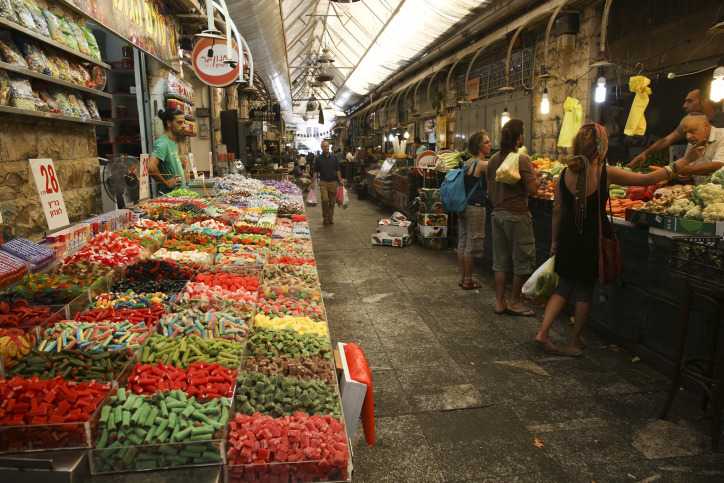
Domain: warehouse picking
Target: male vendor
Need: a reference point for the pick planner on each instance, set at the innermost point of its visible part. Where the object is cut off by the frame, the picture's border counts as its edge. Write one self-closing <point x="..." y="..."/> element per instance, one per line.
<point x="693" y="103"/>
<point x="705" y="153"/>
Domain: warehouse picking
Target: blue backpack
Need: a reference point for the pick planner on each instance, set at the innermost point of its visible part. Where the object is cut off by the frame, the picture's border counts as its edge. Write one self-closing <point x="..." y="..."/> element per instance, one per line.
<point x="452" y="190"/>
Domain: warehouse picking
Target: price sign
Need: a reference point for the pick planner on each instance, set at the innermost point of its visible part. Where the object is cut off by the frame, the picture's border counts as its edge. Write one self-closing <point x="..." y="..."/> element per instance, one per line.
<point x="51" y="197"/>
<point x="211" y="164"/>
<point x="144" y="187"/>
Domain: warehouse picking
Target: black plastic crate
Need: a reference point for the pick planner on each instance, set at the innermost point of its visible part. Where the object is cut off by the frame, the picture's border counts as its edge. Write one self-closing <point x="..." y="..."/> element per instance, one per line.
<point x="699" y="259"/>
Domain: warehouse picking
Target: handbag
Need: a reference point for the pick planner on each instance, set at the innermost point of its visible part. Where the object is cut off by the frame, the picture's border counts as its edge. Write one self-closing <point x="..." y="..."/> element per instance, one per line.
<point x="610" y="263"/>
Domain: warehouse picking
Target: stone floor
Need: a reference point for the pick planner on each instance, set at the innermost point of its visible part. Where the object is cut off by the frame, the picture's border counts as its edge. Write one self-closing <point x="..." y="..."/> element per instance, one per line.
<point x="462" y="395"/>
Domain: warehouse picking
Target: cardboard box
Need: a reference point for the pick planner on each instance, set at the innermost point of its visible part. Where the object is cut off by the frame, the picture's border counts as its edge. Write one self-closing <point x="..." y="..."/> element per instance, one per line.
<point x="432" y="219"/>
<point x="430" y="201"/>
<point x="686" y="226"/>
<point x="384" y="240"/>
<point x="393" y="228"/>
<point x="432" y="231"/>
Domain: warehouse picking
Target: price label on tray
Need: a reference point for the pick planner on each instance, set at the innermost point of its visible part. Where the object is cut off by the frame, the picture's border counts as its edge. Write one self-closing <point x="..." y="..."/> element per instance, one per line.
<point x="143" y="180"/>
<point x="51" y="197"/>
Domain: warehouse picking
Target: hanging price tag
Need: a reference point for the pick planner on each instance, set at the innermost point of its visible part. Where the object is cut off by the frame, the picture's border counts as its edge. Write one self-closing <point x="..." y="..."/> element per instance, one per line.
<point x="51" y="197"/>
<point x="144" y="187"/>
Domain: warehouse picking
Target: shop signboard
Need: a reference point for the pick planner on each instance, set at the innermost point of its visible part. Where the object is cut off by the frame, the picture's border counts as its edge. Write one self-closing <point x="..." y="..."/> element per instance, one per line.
<point x="426" y="160"/>
<point x="144" y="186"/>
<point x="49" y="192"/>
<point x="144" y="23"/>
<point x="209" y="62"/>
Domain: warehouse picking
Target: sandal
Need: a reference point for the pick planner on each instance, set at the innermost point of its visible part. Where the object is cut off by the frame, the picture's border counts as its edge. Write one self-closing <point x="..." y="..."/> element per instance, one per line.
<point x="523" y="313"/>
<point x="471" y="285"/>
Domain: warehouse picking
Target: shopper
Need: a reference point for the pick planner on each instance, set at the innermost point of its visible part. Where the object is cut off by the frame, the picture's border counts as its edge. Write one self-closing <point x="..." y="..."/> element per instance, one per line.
<point x="513" y="239"/>
<point x="164" y="164"/>
<point x="327" y="167"/>
<point x="471" y="222"/>
<point x="694" y="102"/>
<point x="575" y="240"/>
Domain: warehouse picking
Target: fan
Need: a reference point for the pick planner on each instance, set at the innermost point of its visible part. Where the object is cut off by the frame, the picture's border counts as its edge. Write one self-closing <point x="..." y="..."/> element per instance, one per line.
<point x="119" y="181"/>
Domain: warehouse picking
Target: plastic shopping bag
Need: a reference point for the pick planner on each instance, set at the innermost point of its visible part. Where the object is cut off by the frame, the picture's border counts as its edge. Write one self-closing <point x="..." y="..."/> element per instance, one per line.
<point x="340" y="195"/>
<point x="508" y="172"/>
<point x="312" y="195"/>
<point x="345" y="198"/>
<point x="543" y="281"/>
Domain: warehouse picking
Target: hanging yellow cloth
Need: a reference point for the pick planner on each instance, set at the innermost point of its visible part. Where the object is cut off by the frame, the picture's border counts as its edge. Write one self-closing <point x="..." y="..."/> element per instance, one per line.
<point x="636" y="122"/>
<point x="572" y="122"/>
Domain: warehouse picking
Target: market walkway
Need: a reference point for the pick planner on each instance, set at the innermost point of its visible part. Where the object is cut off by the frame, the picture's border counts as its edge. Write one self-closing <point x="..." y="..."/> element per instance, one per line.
<point x="462" y="394"/>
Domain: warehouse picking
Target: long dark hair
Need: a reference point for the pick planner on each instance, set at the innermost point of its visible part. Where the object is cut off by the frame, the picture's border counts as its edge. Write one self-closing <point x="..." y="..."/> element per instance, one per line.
<point x="167" y="115"/>
<point x="509" y="136"/>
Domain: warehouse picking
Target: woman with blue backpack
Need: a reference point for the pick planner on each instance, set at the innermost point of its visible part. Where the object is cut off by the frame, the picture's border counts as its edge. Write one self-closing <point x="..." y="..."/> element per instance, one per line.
<point x="471" y="221"/>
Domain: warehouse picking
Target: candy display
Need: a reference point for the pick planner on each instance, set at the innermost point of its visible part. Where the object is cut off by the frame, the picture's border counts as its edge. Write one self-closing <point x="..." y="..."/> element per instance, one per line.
<point x="29" y="251"/>
<point x="14" y="345"/>
<point x="200" y="294"/>
<point x="20" y="314"/>
<point x="270" y="343"/>
<point x="194" y="257"/>
<point x="283" y="396"/>
<point x="148" y="315"/>
<point x="73" y="365"/>
<point x="301" y="367"/>
<point x="203" y="381"/>
<point x="108" y="248"/>
<point x="128" y="300"/>
<point x="94" y="336"/>
<point x="52" y="400"/>
<point x="184" y="351"/>
<point x="318" y="441"/>
<point x="290" y="275"/>
<point x="218" y="317"/>
<point x="282" y="306"/>
<point x="182" y="193"/>
<point x="11" y="268"/>
<point x="139" y="432"/>
<point x="149" y="286"/>
<point x="301" y="325"/>
<point x="209" y="324"/>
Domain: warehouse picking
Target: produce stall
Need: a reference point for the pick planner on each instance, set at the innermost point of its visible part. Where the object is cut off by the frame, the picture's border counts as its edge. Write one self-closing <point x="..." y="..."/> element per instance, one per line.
<point x="192" y="333"/>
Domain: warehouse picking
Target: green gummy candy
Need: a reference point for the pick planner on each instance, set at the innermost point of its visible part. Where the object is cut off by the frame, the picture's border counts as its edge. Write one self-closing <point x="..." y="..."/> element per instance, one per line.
<point x="104" y="413"/>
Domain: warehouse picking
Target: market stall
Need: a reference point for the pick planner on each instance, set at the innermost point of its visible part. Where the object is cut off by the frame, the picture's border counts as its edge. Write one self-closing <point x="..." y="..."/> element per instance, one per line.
<point x="191" y="335"/>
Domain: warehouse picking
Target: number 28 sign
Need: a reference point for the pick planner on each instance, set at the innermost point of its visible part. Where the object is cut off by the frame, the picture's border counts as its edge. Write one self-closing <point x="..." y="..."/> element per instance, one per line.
<point x="51" y="197"/>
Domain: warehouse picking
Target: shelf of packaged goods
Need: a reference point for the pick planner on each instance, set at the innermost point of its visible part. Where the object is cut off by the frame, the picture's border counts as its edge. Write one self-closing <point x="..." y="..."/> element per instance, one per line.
<point x="51" y="80"/>
<point x="5" y="23"/>
<point x="50" y="115"/>
<point x="71" y="6"/>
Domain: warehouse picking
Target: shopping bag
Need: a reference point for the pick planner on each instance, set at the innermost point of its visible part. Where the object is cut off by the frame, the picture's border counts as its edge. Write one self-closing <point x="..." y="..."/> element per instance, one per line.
<point x="312" y="195"/>
<point x="340" y="195"/>
<point x="345" y="198"/>
<point x="508" y="172"/>
<point x="543" y="281"/>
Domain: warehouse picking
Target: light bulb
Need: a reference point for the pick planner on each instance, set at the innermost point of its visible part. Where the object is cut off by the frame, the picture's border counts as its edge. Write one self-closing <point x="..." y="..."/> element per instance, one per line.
<point x="504" y="117"/>
<point x="716" y="92"/>
<point x="600" y="95"/>
<point x="406" y="135"/>
<point x="545" y="103"/>
<point x="391" y="138"/>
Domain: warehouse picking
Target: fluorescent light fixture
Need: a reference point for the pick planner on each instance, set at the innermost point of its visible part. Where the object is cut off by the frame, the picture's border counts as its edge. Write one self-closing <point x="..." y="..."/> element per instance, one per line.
<point x="600" y="94"/>
<point x="716" y="91"/>
<point x="504" y="117"/>
<point x="545" y="103"/>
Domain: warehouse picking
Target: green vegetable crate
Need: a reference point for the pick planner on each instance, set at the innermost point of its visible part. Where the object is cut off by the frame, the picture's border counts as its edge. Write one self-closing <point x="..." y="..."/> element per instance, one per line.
<point x="675" y="224"/>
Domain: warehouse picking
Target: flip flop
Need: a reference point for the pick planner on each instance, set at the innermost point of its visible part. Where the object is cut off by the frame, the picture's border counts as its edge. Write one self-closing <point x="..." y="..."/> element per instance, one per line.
<point x="549" y="348"/>
<point x="515" y="313"/>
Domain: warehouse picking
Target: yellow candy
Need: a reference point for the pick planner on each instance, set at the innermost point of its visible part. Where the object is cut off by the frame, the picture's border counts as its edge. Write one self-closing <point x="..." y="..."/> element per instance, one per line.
<point x="302" y="325"/>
